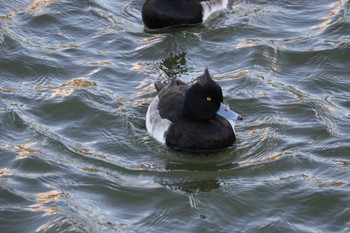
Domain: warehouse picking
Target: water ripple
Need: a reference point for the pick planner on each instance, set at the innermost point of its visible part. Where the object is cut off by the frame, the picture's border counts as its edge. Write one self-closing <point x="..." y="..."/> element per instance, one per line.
<point x="76" y="81"/>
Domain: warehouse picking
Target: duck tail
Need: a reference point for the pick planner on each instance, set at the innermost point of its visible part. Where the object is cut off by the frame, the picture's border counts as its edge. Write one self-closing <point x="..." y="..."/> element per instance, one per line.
<point x="159" y="86"/>
<point x="174" y="82"/>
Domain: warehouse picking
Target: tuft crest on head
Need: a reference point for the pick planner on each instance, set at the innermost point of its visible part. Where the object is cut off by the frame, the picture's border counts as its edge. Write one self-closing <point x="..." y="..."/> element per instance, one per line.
<point x="210" y="85"/>
<point x="205" y="79"/>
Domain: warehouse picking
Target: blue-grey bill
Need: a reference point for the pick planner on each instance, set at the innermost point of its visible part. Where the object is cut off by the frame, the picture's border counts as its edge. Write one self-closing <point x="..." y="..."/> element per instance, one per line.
<point x="226" y="112"/>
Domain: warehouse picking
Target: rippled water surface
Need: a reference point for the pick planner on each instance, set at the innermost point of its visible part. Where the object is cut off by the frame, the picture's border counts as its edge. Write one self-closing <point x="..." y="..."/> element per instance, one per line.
<point x="77" y="77"/>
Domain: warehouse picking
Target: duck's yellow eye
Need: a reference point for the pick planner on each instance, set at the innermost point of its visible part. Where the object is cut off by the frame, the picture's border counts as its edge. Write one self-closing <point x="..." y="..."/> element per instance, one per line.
<point x="208" y="98"/>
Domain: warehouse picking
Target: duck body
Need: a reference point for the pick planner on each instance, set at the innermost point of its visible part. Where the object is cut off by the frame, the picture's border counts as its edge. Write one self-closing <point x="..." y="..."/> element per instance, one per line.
<point x="186" y="117"/>
<point x="158" y="14"/>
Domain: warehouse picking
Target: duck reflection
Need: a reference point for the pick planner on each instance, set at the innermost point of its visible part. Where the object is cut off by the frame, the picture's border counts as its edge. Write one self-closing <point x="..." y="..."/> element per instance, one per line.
<point x="193" y="176"/>
<point x="193" y="186"/>
<point x="174" y="65"/>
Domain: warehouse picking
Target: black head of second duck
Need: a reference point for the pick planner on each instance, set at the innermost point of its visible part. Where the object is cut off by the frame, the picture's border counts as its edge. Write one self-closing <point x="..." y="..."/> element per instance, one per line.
<point x="158" y="14"/>
<point x="191" y="118"/>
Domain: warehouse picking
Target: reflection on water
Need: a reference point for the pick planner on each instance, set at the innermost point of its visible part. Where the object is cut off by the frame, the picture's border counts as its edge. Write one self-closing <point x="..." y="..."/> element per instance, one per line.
<point x="48" y="196"/>
<point x="6" y="172"/>
<point x="26" y="150"/>
<point x="194" y="186"/>
<point x="174" y="65"/>
<point x="39" y="6"/>
<point x="335" y="9"/>
<point x="35" y="7"/>
<point x="149" y="41"/>
<point x="77" y="78"/>
<point x="68" y="88"/>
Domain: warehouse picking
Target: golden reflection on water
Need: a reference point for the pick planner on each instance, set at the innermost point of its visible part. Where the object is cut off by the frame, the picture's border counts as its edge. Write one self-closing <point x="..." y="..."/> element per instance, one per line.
<point x="11" y="90"/>
<point x="90" y="170"/>
<point x="266" y="158"/>
<point x="38" y="6"/>
<point x="99" y="63"/>
<point x="331" y="18"/>
<point x="313" y="182"/>
<point x="148" y="41"/>
<point x="263" y="133"/>
<point x="42" y="199"/>
<point x="6" y="172"/>
<point x="239" y="75"/>
<point x="138" y="66"/>
<point x="84" y="151"/>
<point x="335" y="8"/>
<point x="51" y="224"/>
<point x="60" y="47"/>
<point x="8" y="16"/>
<point x="68" y="88"/>
<point x="247" y="43"/>
<point x="45" y="209"/>
<point x="48" y="196"/>
<point x="26" y="150"/>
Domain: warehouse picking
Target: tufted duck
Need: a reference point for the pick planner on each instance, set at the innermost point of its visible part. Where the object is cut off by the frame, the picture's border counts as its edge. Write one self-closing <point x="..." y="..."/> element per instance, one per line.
<point x="158" y="14"/>
<point x="191" y="118"/>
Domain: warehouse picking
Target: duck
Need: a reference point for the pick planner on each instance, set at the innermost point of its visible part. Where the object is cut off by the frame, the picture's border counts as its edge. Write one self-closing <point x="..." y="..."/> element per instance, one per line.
<point x="157" y="14"/>
<point x="191" y="117"/>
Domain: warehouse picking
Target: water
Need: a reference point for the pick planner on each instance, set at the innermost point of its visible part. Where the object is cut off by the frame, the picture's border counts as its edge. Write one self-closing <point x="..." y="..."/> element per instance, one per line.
<point x="76" y="80"/>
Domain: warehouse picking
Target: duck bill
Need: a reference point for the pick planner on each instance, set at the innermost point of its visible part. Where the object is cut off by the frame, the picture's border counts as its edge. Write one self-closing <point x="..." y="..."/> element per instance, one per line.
<point x="227" y="113"/>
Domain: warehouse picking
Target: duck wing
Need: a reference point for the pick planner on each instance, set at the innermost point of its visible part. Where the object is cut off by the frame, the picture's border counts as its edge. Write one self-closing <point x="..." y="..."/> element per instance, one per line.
<point x="171" y="100"/>
<point x="160" y="85"/>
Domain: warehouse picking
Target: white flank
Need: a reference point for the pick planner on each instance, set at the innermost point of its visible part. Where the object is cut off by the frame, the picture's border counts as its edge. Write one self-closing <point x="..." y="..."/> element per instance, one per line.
<point x="156" y="125"/>
<point x="232" y="124"/>
<point x="211" y="6"/>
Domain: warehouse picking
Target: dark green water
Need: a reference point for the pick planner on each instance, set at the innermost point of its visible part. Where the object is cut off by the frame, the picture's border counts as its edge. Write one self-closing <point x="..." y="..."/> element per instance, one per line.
<point x="76" y="80"/>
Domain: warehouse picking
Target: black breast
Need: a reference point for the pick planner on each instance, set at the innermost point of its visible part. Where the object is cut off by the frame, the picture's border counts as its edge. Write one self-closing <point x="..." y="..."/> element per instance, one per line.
<point x="217" y="134"/>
